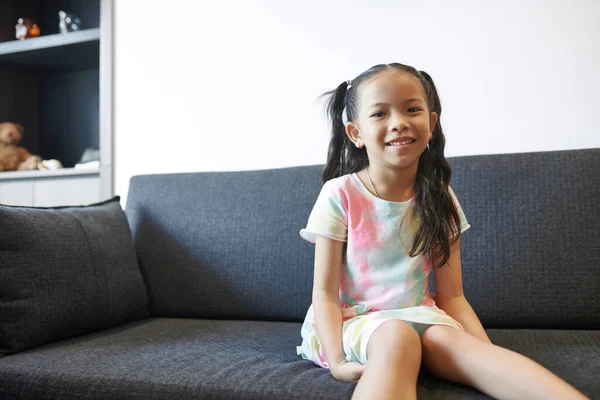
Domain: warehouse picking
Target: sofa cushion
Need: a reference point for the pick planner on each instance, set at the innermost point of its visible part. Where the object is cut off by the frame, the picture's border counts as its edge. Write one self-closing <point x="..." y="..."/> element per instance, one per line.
<point x="65" y="271"/>
<point x="228" y="241"/>
<point x="532" y="256"/>
<point x="191" y="359"/>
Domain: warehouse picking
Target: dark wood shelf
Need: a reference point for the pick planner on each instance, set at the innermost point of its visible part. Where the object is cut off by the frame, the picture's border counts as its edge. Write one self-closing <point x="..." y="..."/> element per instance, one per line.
<point x="73" y="50"/>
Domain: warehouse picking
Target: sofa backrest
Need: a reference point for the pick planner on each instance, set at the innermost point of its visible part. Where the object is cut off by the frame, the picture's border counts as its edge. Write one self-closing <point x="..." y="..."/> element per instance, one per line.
<point x="532" y="256"/>
<point x="225" y="245"/>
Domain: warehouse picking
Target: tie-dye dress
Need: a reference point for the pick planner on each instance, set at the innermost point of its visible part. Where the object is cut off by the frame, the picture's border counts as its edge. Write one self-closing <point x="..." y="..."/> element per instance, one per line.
<point x="379" y="281"/>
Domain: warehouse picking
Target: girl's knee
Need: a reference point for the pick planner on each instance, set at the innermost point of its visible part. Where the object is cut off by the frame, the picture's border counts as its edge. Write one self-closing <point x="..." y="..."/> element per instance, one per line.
<point x="439" y="337"/>
<point x="439" y="333"/>
<point x="395" y="338"/>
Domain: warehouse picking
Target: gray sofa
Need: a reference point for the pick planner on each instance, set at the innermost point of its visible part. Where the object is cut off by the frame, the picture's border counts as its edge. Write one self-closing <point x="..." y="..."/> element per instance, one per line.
<point x="227" y="282"/>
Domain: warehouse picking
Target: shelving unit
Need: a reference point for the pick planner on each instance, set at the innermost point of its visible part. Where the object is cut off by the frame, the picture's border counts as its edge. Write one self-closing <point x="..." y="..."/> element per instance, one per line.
<point x="75" y="50"/>
<point x="59" y="87"/>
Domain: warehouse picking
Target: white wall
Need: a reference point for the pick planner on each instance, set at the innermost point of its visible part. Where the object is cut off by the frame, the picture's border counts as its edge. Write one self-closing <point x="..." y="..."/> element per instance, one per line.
<point x="232" y="85"/>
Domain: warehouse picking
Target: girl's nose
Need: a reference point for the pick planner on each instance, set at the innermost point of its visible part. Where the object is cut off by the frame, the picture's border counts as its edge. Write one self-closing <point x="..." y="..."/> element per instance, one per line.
<point x="398" y="122"/>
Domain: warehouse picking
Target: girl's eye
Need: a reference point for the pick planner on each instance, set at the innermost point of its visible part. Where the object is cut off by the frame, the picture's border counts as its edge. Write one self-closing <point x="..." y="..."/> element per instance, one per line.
<point x="378" y="114"/>
<point x="416" y="109"/>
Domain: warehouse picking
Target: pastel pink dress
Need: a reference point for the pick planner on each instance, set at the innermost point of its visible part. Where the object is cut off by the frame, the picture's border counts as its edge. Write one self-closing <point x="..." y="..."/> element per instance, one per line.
<point x="379" y="281"/>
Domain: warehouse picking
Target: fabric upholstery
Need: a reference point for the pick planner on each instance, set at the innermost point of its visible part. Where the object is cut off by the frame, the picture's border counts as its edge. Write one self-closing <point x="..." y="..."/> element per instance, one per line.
<point x="65" y="271"/>
<point x="224" y="247"/>
<point x="229" y="240"/>
<point x="532" y="256"/>
<point x="210" y="359"/>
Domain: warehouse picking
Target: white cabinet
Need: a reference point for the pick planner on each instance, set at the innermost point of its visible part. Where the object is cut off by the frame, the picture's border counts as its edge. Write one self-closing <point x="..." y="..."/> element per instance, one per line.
<point x="66" y="191"/>
<point x="48" y="189"/>
<point x="16" y="193"/>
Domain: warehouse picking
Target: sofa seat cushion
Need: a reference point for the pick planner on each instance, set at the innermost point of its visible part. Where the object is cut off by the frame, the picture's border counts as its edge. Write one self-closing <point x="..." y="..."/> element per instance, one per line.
<point x="192" y="359"/>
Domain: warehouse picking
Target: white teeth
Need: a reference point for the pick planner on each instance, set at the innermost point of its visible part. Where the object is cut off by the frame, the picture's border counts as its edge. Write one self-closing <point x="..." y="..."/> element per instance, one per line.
<point x="403" y="142"/>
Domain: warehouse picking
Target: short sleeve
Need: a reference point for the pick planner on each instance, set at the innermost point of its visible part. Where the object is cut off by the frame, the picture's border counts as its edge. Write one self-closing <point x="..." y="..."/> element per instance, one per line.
<point x="328" y="217"/>
<point x="464" y="224"/>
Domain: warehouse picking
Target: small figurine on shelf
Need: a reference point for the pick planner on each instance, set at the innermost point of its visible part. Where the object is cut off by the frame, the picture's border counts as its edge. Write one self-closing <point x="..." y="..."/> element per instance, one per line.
<point x="16" y="158"/>
<point x="50" y="165"/>
<point x="12" y="156"/>
<point x="20" y="29"/>
<point x="25" y="28"/>
<point x="34" y="31"/>
<point x="68" y="22"/>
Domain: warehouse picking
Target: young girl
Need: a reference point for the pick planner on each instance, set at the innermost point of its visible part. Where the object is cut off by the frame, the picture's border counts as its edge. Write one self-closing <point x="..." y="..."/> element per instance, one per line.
<point x="385" y="218"/>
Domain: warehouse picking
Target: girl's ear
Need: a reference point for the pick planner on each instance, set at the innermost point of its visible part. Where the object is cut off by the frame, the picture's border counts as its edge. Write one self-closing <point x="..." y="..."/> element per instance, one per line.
<point x="354" y="134"/>
<point x="433" y="119"/>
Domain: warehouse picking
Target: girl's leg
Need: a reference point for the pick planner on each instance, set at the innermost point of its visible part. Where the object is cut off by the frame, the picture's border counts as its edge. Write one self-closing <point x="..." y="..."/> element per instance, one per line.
<point x="394" y="353"/>
<point x="501" y="373"/>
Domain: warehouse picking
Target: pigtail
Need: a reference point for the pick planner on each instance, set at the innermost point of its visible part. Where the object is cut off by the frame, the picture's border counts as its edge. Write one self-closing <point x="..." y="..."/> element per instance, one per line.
<point x="434" y="206"/>
<point x="336" y="154"/>
<point x="439" y="164"/>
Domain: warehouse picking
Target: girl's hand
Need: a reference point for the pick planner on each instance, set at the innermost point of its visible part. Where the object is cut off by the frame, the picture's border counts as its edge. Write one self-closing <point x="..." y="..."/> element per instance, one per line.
<point x="347" y="371"/>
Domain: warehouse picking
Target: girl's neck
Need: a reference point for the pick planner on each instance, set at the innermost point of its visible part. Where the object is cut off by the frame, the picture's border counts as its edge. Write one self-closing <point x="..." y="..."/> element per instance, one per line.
<point x="391" y="184"/>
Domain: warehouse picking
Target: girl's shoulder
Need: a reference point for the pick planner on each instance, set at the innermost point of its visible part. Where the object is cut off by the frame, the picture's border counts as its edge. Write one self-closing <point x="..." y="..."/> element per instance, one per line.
<point x="342" y="182"/>
<point x="343" y="187"/>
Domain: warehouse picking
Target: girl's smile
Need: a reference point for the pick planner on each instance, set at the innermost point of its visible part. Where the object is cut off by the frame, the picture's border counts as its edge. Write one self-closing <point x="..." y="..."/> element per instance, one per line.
<point x="401" y="143"/>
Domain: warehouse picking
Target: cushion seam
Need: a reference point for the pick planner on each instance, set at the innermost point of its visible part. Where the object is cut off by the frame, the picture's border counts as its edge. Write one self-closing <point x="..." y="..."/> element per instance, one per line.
<point x="94" y="266"/>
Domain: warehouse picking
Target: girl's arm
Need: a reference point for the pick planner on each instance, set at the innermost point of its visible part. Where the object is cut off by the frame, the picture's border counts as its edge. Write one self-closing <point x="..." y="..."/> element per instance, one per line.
<point x="325" y="297"/>
<point x="450" y="296"/>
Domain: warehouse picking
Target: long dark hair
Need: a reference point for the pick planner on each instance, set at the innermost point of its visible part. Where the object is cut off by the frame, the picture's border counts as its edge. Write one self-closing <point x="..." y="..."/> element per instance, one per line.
<point x="434" y="207"/>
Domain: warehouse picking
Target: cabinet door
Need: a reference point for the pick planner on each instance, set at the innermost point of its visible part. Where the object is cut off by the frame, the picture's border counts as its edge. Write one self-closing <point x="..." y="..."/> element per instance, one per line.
<point x="18" y="193"/>
<point x="67" y="191"/>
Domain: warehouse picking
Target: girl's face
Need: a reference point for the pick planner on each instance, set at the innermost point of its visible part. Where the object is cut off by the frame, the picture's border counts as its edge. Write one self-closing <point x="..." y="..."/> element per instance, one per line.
<point x="393" y="120"/>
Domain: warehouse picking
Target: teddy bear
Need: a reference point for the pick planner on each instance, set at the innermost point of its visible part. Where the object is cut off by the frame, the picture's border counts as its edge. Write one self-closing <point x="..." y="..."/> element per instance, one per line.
<point x="12" y="156"/>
